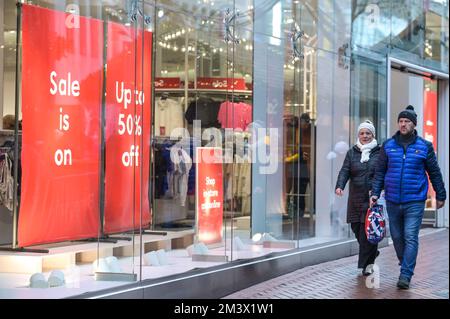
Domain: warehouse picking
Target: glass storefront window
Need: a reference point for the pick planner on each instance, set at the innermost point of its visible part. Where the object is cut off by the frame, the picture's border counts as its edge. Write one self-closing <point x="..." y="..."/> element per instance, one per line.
<point x="371" y="25"/>
<point x="124" y="102"/>
<point x="85" y="106"/>
<point x="368" y="93"/>
<point x="408" y="26"/>
<point x="436" y="35"/>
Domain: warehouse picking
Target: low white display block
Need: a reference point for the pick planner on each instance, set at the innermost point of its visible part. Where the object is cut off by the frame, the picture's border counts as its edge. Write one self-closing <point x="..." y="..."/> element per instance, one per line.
<point x="110" y="276"/>
<point x="59" y="261"/>
<point x="20" y="264"/>
<point x="91" y="256"/>
<point x="280" y="244"/>
<point x="210" y="258"/>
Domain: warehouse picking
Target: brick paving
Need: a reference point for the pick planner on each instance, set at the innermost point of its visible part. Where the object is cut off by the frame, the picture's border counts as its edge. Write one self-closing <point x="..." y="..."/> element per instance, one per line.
<point x="340" y="279"/>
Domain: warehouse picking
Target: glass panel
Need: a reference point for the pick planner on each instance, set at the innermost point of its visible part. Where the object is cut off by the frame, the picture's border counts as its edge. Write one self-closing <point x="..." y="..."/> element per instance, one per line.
<point x="191" y="65"/>
<point x="212" y="92"/>
<point x="175" y="66"/>
<point x="332" y="143"/>
<point x="85" y="73"/>
<point x="371" y="25"/>
<point x="436" y="34"/>
<point x="271" y="224"/>
<point x="236" y="117"/>
<point x="8" y="38"/>
<point x="368" y="94"/>
<point x="326" y="23"/>
<point x="408" y="30"/>
<point x="298" y="125"/>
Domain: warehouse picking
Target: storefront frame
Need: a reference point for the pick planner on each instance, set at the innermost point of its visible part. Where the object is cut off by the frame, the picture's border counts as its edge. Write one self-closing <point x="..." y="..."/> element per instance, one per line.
<point x="441" y="215"/>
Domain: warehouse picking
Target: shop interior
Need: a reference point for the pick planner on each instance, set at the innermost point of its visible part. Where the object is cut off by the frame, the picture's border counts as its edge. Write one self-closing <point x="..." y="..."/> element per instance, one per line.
<point x="197" y="76"/>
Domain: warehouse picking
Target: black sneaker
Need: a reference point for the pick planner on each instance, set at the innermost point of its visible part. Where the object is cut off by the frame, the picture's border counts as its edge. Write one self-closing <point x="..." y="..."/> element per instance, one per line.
<point x="403" y="283"/>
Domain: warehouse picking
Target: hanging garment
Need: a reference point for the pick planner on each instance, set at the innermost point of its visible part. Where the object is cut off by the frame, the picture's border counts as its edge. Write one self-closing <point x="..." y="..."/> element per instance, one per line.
<point x="182" y="164"/>
<point x="228" y="169"/>
<point x="168" y="116"/>
<point x="6" y="183"/>
<point x="235" y="115"/>
<point x="205" y="110"/>
<point x="191" y="179"/>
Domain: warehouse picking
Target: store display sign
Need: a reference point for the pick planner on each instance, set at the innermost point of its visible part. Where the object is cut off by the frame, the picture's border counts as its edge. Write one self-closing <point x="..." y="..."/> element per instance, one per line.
<point x="167" y="83"/>
<point x="61" y="101"/>
<point x="128" y="127"/>
<point x="209" y="194"/>
<point x="430" y="117"/>
<point x="221" y="84"/>
<point x="430" y="133"/>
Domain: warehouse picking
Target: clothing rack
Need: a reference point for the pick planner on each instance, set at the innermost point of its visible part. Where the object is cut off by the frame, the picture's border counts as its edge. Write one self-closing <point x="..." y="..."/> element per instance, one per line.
<point x="193" y="91"/>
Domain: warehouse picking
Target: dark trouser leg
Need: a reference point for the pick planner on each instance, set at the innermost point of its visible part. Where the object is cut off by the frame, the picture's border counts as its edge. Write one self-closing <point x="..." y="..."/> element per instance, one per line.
<point x="413" y="214"/>
<point x="367" y="251"/>
<point x="396" y="224"/>
<point x="302" y="193"/>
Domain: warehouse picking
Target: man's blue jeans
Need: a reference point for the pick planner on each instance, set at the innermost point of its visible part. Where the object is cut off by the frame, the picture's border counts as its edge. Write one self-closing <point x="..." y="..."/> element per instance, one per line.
<point x="404" y="222"/>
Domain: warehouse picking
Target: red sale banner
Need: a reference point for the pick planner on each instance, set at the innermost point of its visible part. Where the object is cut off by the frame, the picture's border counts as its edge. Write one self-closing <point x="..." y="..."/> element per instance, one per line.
<point x="221" y="84"/>
<point x="61" y="102"/>
<point x="128" y="124"/>
<point x="167" y="83"/>
<point x="430" y="107"/>
<point x="209" y="194"/>
<point x="430" y="133"/>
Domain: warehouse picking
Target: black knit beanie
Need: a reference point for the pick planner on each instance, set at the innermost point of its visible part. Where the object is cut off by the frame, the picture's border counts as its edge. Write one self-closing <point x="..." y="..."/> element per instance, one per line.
<point x="409" y="114"/>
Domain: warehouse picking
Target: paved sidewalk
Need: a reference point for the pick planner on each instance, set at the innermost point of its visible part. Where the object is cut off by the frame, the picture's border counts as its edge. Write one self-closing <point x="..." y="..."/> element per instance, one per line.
<point x="341" y="279"/>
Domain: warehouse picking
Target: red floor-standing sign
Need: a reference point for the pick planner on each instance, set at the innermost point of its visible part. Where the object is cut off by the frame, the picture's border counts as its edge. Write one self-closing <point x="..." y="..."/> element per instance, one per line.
<point x="61" y="101"/>
<point x="128" y="127"/>
<point x="209" y="194"/>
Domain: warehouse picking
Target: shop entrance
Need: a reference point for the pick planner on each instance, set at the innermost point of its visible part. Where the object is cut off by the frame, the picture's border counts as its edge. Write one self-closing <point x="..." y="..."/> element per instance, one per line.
<point x="427" y="91"/>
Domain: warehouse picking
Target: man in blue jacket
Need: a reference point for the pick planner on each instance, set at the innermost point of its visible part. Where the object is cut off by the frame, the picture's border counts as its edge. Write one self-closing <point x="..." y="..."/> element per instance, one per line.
<point x="401" y="168"/>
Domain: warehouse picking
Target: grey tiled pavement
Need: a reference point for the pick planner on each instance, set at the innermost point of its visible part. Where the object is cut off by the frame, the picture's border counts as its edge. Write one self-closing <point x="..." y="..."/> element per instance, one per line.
<point x="342" y="280"/>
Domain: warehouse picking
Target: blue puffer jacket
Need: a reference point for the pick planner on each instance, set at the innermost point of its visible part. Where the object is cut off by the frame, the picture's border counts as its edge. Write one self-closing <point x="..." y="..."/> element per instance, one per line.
<point x="403" y="173"/>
